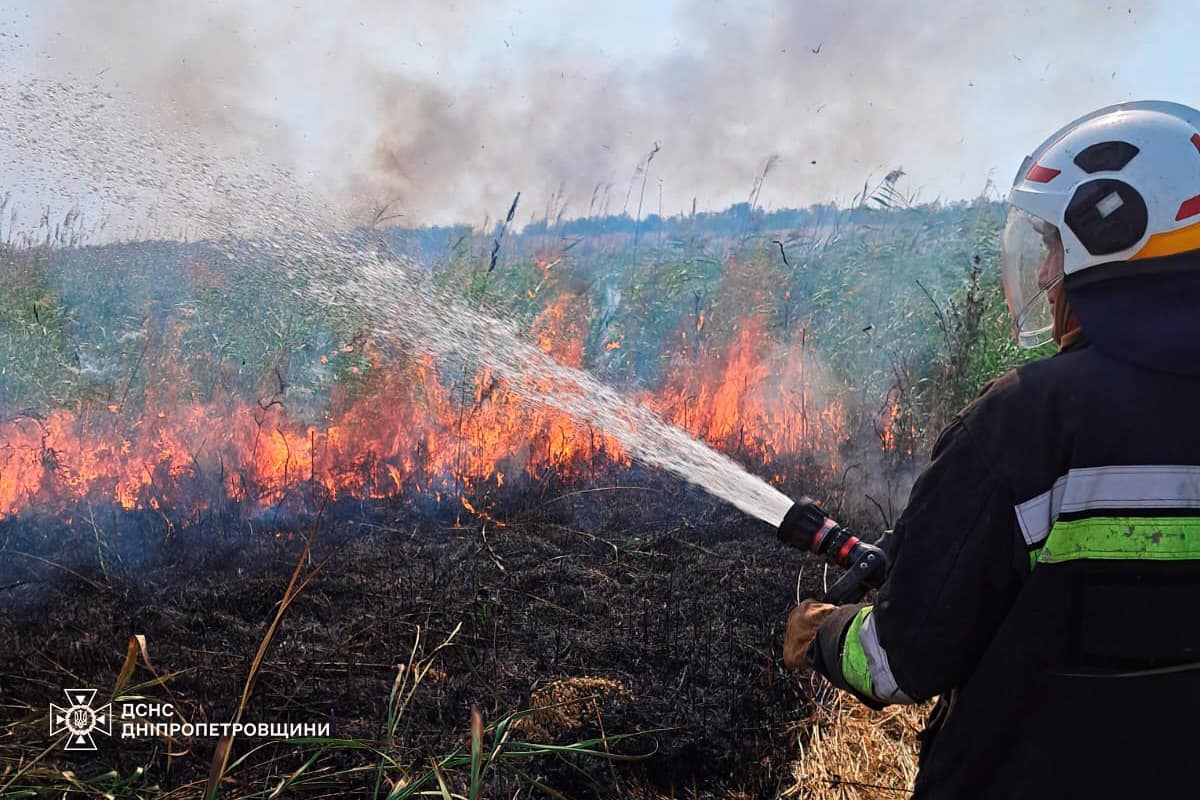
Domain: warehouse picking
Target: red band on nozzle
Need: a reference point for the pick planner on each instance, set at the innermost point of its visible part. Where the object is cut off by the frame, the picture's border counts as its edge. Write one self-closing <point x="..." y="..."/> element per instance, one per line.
<point x="846" y="548"/>
<point x="819" y="536"/>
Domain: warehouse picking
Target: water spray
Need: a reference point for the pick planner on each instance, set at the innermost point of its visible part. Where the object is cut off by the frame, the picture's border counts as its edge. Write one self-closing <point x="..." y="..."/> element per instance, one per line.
<point x="268" y="224"/>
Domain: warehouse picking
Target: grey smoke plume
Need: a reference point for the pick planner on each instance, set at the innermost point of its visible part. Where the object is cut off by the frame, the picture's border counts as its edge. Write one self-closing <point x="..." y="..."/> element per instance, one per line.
<point x="422" y="105"/>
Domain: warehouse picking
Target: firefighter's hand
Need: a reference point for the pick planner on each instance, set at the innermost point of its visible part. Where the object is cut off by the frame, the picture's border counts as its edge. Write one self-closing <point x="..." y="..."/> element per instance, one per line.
<point x="802" y="626"/>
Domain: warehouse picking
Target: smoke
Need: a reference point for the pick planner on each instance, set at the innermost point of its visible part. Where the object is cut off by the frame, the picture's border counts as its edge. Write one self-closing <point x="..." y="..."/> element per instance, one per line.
<point x="446" y="110"/>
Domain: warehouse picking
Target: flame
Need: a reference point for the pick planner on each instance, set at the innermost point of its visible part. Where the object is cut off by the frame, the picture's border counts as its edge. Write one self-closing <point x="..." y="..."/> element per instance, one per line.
<point x="896" y="434"/>
<point x="408" y="428"/>
<point x="561" y="330"/>
<point x="480" y="514"/>
<point x="754" y="403"/>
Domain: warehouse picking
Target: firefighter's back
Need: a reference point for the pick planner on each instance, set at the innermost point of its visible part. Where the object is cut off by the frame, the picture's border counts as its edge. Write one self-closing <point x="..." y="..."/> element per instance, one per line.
<point x="1091" y="685"/>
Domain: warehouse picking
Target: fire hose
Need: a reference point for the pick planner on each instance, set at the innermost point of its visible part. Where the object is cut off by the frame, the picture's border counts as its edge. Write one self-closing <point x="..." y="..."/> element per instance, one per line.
<point x="806" y="526"/>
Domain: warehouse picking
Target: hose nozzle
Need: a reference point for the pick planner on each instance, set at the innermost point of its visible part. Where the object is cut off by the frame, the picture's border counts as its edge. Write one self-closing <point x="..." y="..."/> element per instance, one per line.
<point x="806" y="526"/>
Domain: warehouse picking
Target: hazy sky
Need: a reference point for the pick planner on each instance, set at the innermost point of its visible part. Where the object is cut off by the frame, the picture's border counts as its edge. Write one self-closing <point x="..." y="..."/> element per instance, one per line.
<point x="447" y="109"/>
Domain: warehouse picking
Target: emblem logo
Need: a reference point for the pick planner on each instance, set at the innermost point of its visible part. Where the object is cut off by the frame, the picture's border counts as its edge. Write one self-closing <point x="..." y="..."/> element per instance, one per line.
<point x="80" y="719"/>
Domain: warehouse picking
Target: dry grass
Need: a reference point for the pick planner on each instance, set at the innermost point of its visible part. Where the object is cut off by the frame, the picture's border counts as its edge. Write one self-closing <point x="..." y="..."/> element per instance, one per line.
<point x="853" y="753"/>
<point x="565" y="706"/>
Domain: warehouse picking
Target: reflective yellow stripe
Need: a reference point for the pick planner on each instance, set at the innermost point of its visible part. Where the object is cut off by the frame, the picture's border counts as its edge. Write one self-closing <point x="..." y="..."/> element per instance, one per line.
<point x="855" y="668"/>
<point x="1134" y="538"/>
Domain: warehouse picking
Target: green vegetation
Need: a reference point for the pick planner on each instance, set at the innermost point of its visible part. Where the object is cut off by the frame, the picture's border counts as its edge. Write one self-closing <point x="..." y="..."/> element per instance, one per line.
<point x="901" y="307"/>
<point x="37" y="363"/>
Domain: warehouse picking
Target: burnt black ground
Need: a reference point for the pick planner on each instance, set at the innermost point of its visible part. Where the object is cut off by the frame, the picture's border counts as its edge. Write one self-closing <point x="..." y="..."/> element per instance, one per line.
<point x="671" y="595"/>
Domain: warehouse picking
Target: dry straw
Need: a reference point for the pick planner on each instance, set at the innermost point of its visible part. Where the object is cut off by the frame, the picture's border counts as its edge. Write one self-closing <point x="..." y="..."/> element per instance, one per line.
<point x="850" y="752"/>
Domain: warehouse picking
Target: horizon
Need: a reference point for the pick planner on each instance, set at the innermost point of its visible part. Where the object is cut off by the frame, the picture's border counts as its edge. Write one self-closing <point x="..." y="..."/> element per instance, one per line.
<point x="616" y="224"/>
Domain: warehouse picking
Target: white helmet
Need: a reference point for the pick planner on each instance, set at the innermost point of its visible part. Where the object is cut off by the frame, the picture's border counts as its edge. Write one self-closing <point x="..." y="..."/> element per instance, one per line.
<point x="1119" y="185"/>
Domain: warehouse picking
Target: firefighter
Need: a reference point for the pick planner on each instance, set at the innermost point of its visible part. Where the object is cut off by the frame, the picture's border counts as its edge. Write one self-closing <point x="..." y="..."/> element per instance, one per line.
<point x="1046" y="576"/>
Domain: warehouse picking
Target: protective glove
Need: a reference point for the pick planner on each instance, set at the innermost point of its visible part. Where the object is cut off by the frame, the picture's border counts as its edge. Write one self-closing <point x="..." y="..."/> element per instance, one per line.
<point x="802" y="626"/>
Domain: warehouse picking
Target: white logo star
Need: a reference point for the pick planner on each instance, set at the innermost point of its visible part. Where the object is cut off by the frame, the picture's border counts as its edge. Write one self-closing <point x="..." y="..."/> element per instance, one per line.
<point x="79" y="719"/>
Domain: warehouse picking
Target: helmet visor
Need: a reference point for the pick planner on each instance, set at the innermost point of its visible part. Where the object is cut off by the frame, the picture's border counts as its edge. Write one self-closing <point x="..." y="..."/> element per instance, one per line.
<point x="1031" y="266"/>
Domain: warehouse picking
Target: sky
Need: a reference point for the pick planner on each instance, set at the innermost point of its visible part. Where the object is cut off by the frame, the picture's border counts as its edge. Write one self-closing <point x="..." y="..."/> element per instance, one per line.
<point x="442" y="111"/>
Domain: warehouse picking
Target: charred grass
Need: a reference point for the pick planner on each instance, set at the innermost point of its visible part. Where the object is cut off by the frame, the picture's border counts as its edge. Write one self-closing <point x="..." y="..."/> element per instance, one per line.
<point x="612" y="645"/>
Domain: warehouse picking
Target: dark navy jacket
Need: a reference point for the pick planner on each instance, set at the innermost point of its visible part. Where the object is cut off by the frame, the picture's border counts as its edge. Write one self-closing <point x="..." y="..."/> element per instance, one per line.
<point x="1046" y="585"/>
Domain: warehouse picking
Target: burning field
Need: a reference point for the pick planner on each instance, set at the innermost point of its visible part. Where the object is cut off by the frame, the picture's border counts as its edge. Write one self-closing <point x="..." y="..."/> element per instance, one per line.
<point x="310" y="488"/>
<point x="406" y="428"/>
<point x="219" y="496"/>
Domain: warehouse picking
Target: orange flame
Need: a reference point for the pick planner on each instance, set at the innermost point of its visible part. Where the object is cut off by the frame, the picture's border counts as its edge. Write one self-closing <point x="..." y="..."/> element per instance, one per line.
<point x="754" y="403"/>
<point x="407" y="429"/>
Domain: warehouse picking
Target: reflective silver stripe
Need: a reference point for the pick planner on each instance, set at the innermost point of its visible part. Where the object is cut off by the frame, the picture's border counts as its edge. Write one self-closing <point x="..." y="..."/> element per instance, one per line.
<point x="1083" y="489"/>
<point x="1036" y="516"/>
<point x="886" y="689"/>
